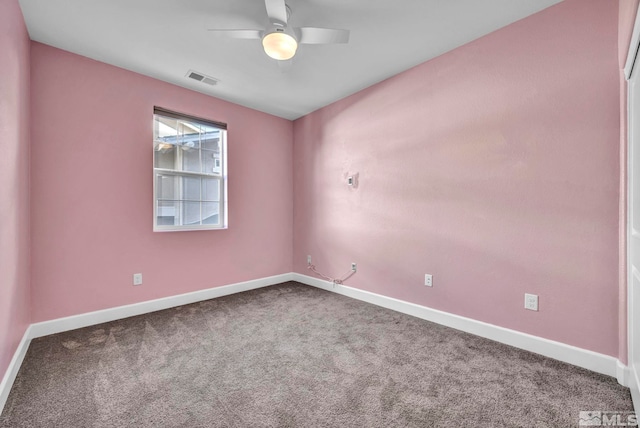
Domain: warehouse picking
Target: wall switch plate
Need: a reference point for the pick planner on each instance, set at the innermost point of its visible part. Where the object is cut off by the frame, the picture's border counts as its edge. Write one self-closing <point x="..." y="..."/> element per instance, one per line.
<point x="137" y="279"/>
<point x="308" y="260"/>
<point x="354" y="267"/>
<point x="428" y="280"/>
<point x="531" y="302"/>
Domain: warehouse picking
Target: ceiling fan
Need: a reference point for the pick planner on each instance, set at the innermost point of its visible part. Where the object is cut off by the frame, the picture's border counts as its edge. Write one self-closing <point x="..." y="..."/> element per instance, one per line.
<point x="281" y="41"/>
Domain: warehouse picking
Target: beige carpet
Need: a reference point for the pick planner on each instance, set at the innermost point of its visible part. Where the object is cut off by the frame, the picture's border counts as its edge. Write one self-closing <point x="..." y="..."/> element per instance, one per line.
<point x="294" y="356"/>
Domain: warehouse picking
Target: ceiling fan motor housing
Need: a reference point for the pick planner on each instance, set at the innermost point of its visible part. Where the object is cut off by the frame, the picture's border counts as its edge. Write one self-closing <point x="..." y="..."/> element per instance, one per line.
<point x="280" y="42"/>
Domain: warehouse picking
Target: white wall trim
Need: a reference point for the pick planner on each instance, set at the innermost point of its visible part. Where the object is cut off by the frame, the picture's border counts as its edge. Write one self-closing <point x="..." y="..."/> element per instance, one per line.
<point x="92" y="318"/>
<point x="634" y="385"/>
<point x="14" y="366"/>
<point x="590" y="360"/>
<point x="623" y="373"/>
<point x="632" y="61"/>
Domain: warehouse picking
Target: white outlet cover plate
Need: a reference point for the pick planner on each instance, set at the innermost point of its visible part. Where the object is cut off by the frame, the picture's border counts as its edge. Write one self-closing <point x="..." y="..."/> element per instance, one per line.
<point x="531" y="301"/>
<point x="428" y="280"/>
<point x="137" y="279"/>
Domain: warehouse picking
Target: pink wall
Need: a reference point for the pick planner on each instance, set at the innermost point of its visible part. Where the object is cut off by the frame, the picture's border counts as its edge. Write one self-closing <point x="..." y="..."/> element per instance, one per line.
<point x="494" y="167"/>
<point x="92" y="202"/>
<point x="14" y="180"/>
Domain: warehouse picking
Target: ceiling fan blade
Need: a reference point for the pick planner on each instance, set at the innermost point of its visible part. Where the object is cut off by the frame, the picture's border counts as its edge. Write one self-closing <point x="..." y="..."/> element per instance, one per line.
<point x="277" y="11"/>
<point x="317" y="36"/>
<point x="238" y="34"/>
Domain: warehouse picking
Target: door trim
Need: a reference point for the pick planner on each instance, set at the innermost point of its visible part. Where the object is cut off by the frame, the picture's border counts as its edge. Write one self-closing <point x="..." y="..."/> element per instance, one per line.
<point x="632" y="64"/>
<point x="634" y="47"/>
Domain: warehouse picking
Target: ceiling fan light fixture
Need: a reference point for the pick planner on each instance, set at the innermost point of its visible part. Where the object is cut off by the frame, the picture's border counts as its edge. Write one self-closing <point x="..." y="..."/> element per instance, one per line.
<point x="279" y="45"/>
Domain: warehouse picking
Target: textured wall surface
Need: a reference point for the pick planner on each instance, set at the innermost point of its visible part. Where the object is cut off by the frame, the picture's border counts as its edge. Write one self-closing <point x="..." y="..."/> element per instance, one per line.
<point x="494" y="167"/>
<point x="93" y="191"/>
<point x="14" y="180"/>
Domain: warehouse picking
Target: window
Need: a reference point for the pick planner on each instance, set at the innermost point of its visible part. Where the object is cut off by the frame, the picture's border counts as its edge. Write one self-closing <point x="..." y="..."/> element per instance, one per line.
<point x="189" y="172"/>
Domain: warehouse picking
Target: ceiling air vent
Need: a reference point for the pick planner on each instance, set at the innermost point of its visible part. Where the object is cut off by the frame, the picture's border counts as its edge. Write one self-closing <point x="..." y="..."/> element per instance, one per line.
<point x="201" y="77"/>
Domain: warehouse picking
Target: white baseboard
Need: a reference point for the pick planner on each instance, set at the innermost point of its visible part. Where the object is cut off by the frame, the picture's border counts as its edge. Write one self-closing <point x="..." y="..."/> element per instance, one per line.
<point x="570" y="354"/>
<point x="623" y="373"/>
<point x="12" y="371"/>
<point x="92" y="318"/>
<point x="590" y="360"/>
<point x="634" y="386"/>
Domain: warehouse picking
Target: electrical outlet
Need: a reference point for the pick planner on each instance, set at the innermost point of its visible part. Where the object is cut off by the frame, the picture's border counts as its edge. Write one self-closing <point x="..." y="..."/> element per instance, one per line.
<point x="352" y="179"/>
<point x="354" y="267"/>
<point x="137" y="279"/>
<point x="308" y="260"/>
<point x="428" y="280"/>
<point x="531" y="302"/>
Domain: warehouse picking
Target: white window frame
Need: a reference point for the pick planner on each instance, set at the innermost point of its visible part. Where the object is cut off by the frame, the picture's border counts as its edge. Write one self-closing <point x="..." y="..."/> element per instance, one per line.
<point x="222" y="176"/>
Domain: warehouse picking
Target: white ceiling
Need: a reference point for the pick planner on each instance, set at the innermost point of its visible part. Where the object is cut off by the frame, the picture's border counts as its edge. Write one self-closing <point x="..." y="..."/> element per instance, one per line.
<point x="165" y="38"/>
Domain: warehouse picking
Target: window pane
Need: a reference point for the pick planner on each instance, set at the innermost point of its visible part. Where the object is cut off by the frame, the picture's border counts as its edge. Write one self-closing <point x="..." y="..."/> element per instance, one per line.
<point x="190" y="159"/>
<point x="191" y="213"/>
<point x="166" y="187"/>
<point x="211" y="162"/>
<point x="210" y="213"/>
<point x="189" y="155"/>
<point x="190" y="135"/>
<point x="181" y="144"/>
<point x="191" y="188"/>
<point x="165" y="128"/>
<point x="211" y="143"/>
<point x="210" y="189"/>
<point x="166" y="213"/>
<point x="165" y="156"/>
